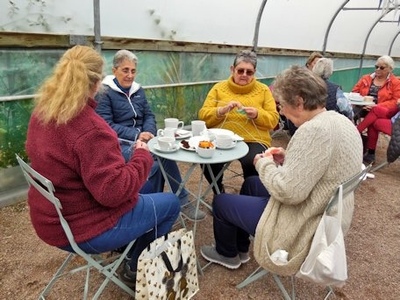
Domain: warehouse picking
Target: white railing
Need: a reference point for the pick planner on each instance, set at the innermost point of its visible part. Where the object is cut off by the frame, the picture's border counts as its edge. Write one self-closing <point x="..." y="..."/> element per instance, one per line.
<point x="25" y="97"/>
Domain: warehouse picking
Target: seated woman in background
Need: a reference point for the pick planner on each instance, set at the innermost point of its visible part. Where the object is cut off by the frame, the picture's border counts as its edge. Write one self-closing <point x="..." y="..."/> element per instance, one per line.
<point x="70" y="144"/>
<point x="122" y="103"/>
<point x="243" y="105"/>
<point x="336" y="100"/>
<point x="282" y="206"/>
<point x="313" y="59"/>
<point x="310" y="63"/>
<point x="377" y="124"/>
<point x="385" y="88"/>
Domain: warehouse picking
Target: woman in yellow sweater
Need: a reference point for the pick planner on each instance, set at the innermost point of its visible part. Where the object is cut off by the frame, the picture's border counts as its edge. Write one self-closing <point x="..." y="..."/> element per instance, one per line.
<point x="245" y="106"/>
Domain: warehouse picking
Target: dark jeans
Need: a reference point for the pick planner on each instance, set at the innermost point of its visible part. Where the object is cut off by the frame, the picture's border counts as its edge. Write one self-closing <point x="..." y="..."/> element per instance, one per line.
<point x="246" y="162"/>
<point x="236" y="217"/>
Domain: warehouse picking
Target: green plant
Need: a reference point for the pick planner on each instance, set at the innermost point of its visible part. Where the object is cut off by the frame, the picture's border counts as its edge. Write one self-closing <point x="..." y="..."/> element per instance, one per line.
<point x="14" y="118"/>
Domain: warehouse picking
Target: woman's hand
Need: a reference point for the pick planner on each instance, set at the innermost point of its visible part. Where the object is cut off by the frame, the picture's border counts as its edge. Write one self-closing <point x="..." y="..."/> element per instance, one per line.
<point x="251" y="112"/>
<point x="223" y="110"/>
<point x="368" y="107"/>
<point x="277" y="154"/>
<point x="141" y="145"/>
<point x="145" y="136"/>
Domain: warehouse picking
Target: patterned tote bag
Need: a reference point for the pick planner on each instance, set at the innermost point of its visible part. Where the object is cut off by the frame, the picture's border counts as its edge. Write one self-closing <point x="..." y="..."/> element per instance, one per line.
<point x="167" y="268"/>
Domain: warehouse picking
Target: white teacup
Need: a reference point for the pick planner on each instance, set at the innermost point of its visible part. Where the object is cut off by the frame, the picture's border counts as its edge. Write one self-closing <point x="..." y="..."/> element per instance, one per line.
<point x="166" y="143"/>
<point x="224" y="141"/>
<point x="173" y="123"/>
<point x="369" y="99"/>
<point x="167" y="132"/>
<point x="198" y="126"/>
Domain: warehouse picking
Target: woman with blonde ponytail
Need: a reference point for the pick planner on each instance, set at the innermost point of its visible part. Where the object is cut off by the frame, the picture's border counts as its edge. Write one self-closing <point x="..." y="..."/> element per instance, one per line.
<point x="70" y="144"/>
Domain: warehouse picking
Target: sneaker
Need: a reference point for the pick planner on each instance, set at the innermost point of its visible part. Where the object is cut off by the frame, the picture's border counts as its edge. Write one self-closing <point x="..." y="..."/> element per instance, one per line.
<point x="189" y="211"/>
<point x="368" y="159"/>
<point x="127" y="276"/>
<point x="244" y="257"/>
<point x="211" y="254"/>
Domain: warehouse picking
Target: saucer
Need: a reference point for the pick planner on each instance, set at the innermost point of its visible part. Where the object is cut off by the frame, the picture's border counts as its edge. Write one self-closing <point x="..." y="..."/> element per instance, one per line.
<point x="157" y="147"/>
<point x="182" y="134"/>
<point x="218" y="131"/>
<point x="225" y="148"/>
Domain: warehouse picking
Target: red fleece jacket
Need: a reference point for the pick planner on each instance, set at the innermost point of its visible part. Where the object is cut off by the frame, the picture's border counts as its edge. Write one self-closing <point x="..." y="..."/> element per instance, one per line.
<point x="83" y="160"/>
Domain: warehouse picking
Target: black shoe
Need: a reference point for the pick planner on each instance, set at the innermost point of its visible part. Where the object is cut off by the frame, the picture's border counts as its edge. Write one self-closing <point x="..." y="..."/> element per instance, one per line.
<point x="127" y="276"/>
<point x="368" y="159"/>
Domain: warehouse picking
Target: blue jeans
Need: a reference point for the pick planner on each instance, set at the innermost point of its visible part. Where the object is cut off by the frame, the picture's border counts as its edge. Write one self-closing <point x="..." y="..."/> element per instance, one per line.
<point x="236" y="217"/>
<point x="155" y="181"/>
<point x="152" y="217"/>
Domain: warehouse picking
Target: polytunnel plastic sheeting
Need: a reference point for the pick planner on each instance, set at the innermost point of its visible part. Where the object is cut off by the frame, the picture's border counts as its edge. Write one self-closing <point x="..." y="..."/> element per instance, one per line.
<point x="21" y="71"/>
<point x="291" y="24"/>
<point x="155" y="68"/>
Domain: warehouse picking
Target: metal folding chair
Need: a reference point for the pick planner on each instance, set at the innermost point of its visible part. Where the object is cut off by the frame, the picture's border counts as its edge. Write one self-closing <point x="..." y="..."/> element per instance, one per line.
<point x="106" y="266"/>
<point x="348" y="187"/>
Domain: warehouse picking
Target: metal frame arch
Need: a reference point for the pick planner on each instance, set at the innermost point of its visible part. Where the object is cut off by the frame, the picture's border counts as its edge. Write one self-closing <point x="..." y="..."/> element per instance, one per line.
<point x="392" y="43"/>
<point x="369" y="34"/>
<point x="257" y="26"/>
<point x="330" y="25"/>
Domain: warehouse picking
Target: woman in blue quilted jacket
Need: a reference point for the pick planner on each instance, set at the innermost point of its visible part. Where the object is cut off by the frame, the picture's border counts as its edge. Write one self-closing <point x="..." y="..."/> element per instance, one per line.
<point x="123" y="105"/>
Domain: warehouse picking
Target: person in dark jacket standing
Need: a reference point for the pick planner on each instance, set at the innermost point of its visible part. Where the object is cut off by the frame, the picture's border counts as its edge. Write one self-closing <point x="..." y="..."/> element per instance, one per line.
<point x="123" y="105"/>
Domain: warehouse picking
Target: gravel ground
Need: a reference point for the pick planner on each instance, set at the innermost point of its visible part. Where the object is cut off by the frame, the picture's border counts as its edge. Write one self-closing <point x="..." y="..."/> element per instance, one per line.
<point x="373" y="251"/>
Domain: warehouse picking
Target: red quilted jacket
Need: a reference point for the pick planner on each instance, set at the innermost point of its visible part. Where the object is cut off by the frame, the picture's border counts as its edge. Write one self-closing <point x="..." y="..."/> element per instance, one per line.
<point x="388" y="93"/>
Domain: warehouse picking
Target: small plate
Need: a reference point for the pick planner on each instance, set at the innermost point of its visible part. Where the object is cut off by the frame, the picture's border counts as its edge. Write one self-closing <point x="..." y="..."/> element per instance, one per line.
<point x="358" y="99"/>
<point x="157" y="147"/>
<point x="226" y="148"/>
<point x="193" y="149"/>
<point x="182" y="134"/>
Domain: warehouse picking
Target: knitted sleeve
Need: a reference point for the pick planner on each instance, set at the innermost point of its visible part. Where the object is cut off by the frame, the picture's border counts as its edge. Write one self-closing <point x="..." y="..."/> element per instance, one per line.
<point x="307" y="158"/>
<point x="208" y="111"/>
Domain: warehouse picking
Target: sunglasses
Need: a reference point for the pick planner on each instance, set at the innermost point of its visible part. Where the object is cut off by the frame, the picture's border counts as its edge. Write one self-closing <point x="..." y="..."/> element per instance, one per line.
<point x="245" y="71"/>
<point x="380" y="67"/>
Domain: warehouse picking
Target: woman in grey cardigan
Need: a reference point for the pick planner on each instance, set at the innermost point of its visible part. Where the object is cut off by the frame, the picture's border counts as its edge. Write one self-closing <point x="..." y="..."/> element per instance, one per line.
<point x="282" y="206"/>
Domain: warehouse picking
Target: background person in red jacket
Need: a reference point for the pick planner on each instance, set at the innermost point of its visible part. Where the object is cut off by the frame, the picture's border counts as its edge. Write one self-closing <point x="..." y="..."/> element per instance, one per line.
<point x="385" y="88"/>
<point x="69" y="143"/>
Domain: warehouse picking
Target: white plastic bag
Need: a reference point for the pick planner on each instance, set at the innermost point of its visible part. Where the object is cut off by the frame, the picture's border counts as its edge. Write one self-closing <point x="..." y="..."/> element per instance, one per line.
<point x="326" y="262"/>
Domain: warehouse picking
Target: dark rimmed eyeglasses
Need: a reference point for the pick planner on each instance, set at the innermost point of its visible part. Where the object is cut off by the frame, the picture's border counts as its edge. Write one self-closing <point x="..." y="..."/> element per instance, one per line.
<point x="245" y="71"/>
<point x="380" y="67"/>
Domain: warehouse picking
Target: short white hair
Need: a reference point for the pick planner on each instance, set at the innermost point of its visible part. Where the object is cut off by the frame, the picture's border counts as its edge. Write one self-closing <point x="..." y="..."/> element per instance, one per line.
<point x="387" y="60"/>
<point x="122" y="55"/>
